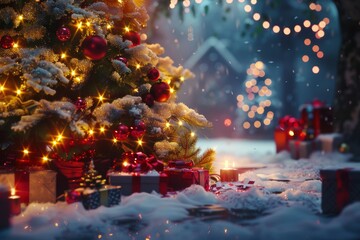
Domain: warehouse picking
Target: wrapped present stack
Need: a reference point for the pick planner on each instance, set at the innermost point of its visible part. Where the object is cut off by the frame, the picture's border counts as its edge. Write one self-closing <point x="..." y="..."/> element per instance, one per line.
<point x="93" y="192"/>
<point x="139" y="173"/>
<point x="340" y="187"/>
<point x="313" y="132"/>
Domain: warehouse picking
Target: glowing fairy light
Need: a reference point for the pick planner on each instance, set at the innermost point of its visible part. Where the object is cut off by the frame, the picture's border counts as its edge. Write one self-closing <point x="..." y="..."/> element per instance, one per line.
<point x="167" y="125"/>
<point x="266" y="25"/>
<point x="26" y="151"/>
<point x="63" y="55"/>
<point x="45" y="158"/>
<point x="16" y="45"/>
<point x="79" y="25"/>
<point x="127" y="29"/>
<point x="91" y="132"/>
<point x="2" y="88"/>
<point x="305" y="58"/>
<point x="172" y="90"/>
<point x="192" y="134"/>
<point x="307" y="23"/>
<point x="227" y="122"/>
<point x="108" y="26"/>
<point x="276" y="29"/>
<point x="140" y="142"/>
<point x="21" y="18"/>
<point x="291" y="133"/>
<point x="102" y="129"/>
<point x="114" y="140"/>
<point x="88" y="23"/>
<point x="18" y="92"/>
<point x="73" y="73"/>
<point x="315" y="69"/>
<point x="182" y="79"/>
<point x="180" y="123"/>
<point x="137" y="66"/>
<point x="54" y="142"/>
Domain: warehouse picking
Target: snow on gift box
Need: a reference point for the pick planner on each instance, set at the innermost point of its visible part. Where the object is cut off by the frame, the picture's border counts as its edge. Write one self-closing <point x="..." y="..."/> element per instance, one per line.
<point x="32" y="186"/>
<point x="340" y="187"/>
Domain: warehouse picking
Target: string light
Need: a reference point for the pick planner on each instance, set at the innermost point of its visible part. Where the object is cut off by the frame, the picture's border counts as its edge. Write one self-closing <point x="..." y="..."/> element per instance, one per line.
<point x="79" y="25"/>
<point x="18" y="92"/>
<point x="26" y="151"/>
<point x="180" y="123"/>
<point x="2" y="87"/>
<point x="127" y="29"/>
<point x="192" y="134"/>
<point x="16" y="45"/>
<point x="137" y="66"/>
<point x="63" y="55"/>
<point x="91" y="132"/>
<point x="45" y="158"/>
<point x="21" y="18"/>
<point x="114" y="140"/>
<point x="140" y="142"/>
<point x="102" y="129"/>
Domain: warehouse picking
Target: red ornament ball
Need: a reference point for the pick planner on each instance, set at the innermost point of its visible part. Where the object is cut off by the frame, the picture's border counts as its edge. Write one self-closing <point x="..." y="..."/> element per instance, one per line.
<point x="80" y="104"/>
<point x="133" y="37"/>
<point x="160" y="91"/>
<point x="153" y="74"/>
<point x="94" y="47"/>
<point x="63" y="34"/>
<point x="122" y="133"/>
<point x="148" y="99"/>
<point x="138" y="130"/>
<point x="7" y="42"/>
<point x="121" y="59"/>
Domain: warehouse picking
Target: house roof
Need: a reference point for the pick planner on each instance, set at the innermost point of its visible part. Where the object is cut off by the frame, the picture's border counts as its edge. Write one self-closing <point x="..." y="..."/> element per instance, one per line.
<point x="220" y="47"/>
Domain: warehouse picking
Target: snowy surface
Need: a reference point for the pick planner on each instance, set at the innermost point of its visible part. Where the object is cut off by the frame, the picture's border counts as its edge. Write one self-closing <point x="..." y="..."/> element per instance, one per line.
<point x="284" y="204"/>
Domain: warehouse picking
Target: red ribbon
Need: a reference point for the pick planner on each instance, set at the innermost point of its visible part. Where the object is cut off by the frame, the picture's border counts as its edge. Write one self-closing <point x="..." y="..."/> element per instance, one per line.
<point x="136" y="183"/>
<point x="141" y="163"/>
<point x="342" y="188"/>
<point x="22" y="185"/>
<point x="163" y="183"/>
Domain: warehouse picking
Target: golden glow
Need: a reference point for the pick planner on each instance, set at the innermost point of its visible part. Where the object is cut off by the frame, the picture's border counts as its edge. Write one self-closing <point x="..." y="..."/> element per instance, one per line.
<point x="136" y="90"/>
<point x="247" y="8"/>
<point x="315" y="28"/>
<point x="26" y="151"/>
<point x="307" y="23"/>
<point x="251" y="114"/>
<point x="79" y="25"/>
<point x="297" y="28"/>
<point x="45" y="158"/>
<point x="305" y="58"/>
<point x="140" y="142"/>
<point x="2" y="88"/>
<point x="267" y="121"/>
<point x="73" y="73"/>
<point x="63" y="55"/>
<point x="172" y="90"/>
<point x="322" y="24"/>
<point x="167" y="125"/>
<point x="88" y="24"/>
<point x="182" y="78"/>
<point x="114" y="140"/>
<point x="276" y="29"/>
<point x="13" y="191"/>
<point x="59" y="138"/>
<point x="102" y="129"/>
<point x="246" y="125"/>
<point x="54" y="142"/>
<point x="18" y="92"/>
<point x="127" y="29"/>
<point x="267" y="81"/>
<point x="120" y="1"/>
<point x="78" y="79"/>
<point x="245" y="108"/>
<point x="320" y="34"/>
<point x="108" y="26"/>
<point x="291" y="133"/>
<point x="266" y="24"/>
<point x="21" y="17"/>
<point x="16" y="45"/>
<point x="125" y="164"/>
<point x="138" y="66"/>
<point x="256" y="16"/>
<point x="315" y="69"/>
<point x="180" y="123"/>
<point x="91" y="132"/>
<point x="257" y="124"/>
<point x="287" y="31"/>
<point x="192" y="134"/>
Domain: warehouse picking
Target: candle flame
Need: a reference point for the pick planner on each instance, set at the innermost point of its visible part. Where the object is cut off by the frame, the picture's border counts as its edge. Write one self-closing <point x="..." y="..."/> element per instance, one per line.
<point x="226" y="164"/>
<point x="12" y="191"/>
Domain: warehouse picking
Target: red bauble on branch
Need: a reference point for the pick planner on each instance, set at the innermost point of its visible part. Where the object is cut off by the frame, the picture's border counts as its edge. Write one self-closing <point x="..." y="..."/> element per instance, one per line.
<point x="160" y="91"/>
<point x="80" y="104"/>
<point x="94" y="47"/>
<point x="121" y="59"/>
<point x="138" y="130"/>
<point x="122" y="133"/>
<point x="133" y="37"/>
<point x="153" y="74"/>
<point x="7" y="42"/>
<point x="63" y="34"/>
<point x="148" y="99"/>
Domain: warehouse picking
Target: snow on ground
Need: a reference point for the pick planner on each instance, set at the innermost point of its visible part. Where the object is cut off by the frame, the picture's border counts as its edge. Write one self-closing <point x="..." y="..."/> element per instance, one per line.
<point x="284" y="204"/>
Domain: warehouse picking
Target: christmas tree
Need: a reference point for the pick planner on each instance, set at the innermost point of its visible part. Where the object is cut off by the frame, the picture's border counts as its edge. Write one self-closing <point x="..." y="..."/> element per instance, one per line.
<point x="78" y="81"/>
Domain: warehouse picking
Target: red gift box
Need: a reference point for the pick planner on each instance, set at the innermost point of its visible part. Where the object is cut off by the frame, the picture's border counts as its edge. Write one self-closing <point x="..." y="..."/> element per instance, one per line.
<point x="340" y="187"/>
<point x="32" y="186"/>
<point x="303" y="149"/>
<point x="317" y="115"/>
<point x="288" y="128"/>
<point x="180" y="179"/>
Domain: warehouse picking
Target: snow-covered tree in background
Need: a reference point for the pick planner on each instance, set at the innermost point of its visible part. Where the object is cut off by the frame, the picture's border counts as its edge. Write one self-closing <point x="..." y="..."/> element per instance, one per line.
<point x="75" y="77"/>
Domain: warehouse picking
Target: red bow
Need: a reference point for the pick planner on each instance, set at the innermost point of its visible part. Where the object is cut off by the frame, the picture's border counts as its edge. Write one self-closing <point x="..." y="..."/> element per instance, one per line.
<point x="141" y="163"/>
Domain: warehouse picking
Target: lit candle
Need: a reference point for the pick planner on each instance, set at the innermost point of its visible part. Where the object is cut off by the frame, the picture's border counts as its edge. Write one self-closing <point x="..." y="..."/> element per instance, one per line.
<point x="229" y="174"/>
<point x="15" y="205"/>
<point x="4" y="207"/>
